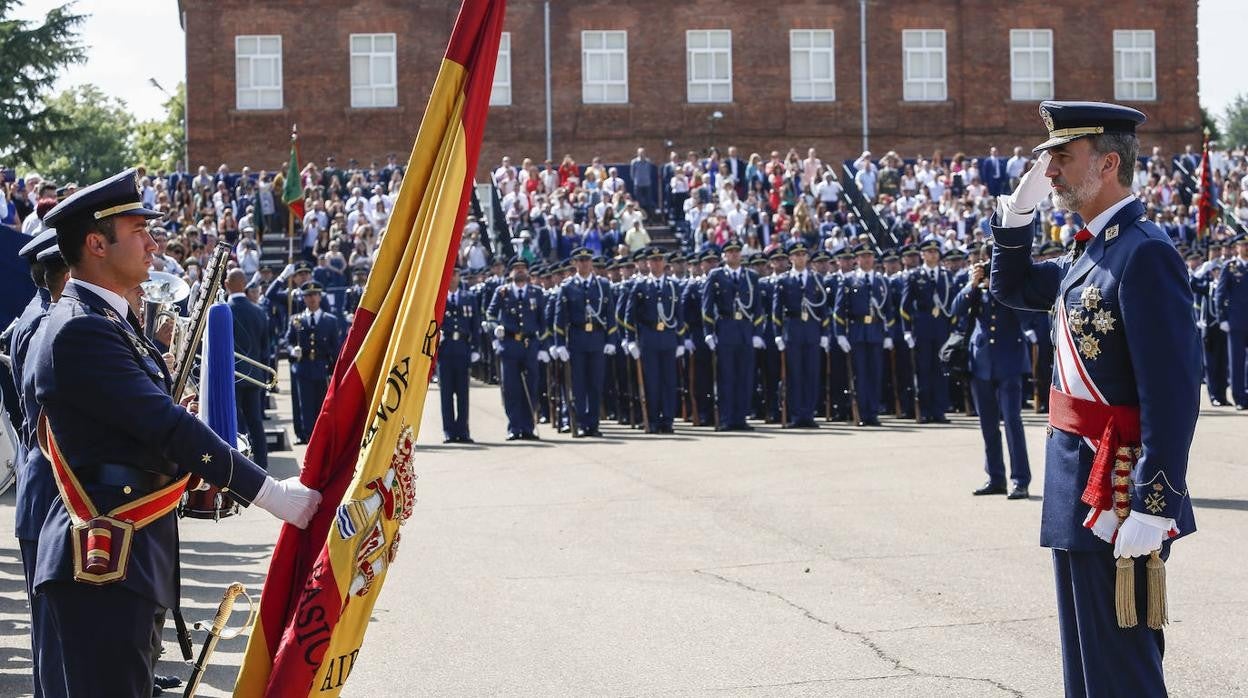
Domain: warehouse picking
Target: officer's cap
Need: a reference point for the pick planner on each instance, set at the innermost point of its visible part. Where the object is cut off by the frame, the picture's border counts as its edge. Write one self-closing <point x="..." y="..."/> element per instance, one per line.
<point x="954" y="253"/>
<point x="909" y="249"/>
<point x="38" y="243"/>
<point x="116" y="196"/>
<point x="600" y="261"/>
<point x="797" y="245"/>
<point x="581" y="253"/>
<point x="655" y="253"/>
<point x="732" y="244"/>
<point x="639" y="255"/>
<point x="777" y="253"/>
<point x="757" y="258"/>
<point x="844" y="253"/>
<point x="1194" y="255"/>
<point x="302" y="265"/>
<point x="930" y="244"/>
<point x="710" y="254"/>
<point x="889" y="255"/>
<point x="863" y="250"/>
<point x="311" y="287"/>
<point x="820" y="256"/>
<point x="625" y="261"/>
<point x="675" y="257"/>
<point x="1067" y="121"/>
<point x="1239" y="239"/>
<point x="517" y="261"/>
<point x="50" y="254"/>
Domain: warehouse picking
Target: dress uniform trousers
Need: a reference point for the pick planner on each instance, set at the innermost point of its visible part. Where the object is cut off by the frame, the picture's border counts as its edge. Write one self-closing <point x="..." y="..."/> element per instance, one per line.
<point x="519" y="365"/>
<point x="997" y="401"/>
<point x="588" y="368"/>
<point x="1216" y="345"/>
<point x="868" y="358"/>
<point x="453" y="392"/>
<point x="735" y="370"/>
<point x="1237" y="351"/>
<point x="658" y="369"/>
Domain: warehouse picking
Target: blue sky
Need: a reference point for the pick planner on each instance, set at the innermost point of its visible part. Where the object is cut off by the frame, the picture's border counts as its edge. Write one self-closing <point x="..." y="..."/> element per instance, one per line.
<point x="130" y="42"/>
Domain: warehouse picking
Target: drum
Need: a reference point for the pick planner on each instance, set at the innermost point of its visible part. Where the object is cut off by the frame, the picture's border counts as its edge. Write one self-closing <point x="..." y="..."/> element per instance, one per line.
<point x="205" y="501"/>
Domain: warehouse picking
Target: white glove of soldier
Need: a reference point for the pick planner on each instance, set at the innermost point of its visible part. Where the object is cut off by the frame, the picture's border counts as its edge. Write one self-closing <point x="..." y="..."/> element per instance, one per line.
<point x="825" y="343"/>
<point x="888" y="344"/>
<point x="474" y="357"/>
<point x="909" y="337"/>
<point x="499" y="332"/>
<point x="843" y="343"/>
<point x="608" y="349"/>
<point x="497" y="346"/>
<point x="633" y="350"/>
<point x="1103" y="526"/>
<point x="779" y="343"/>
<point x="1030" y="335"/>
<point x="543" y="356"/>
<point x="562" y="354"/>
<point x="680" y="350"/>
<point x="689" y="345"/>
<point x="1018" y="207"/>
<point x="1141" y="534"/>
<point x="296" y="353"/>
<point x="1224" y="326"/>
<point x="286" y="272"/>
<point x="1201" y="324"/>
<point x="955" y="336"/>
<point x="288" y="500"/>
<point x="759" y="343"/>
<point x="710" y="342"/>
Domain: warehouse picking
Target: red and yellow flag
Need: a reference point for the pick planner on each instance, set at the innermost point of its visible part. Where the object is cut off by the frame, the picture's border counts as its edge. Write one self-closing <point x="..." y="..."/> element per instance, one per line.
<point x="323" y="581"/>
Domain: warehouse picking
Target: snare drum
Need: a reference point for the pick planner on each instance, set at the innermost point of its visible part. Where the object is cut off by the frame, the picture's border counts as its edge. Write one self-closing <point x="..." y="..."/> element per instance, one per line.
<point x="205" y="501"/>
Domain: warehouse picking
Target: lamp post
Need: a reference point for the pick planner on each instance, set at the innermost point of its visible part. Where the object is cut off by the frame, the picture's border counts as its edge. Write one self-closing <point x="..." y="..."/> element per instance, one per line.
<point x="715" y="117"/>
<point x="186" y="159"/>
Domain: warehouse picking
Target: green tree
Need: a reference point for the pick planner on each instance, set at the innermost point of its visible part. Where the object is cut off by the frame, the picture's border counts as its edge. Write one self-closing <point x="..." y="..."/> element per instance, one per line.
<point x="98" y="142"/>
<point x="1209" y="123"/>
<point x="33" y="57"/>
<point x="1235" y="121"/>
<point x="159" y="143"/>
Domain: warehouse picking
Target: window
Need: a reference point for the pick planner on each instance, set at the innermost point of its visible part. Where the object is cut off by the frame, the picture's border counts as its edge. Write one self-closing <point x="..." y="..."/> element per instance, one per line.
<point x="258" y="72"/>
<point x="923" y="55"/>
<point x="372" y="71"/>
<point x="1031" y="64"/>
<point x="500" y="96"/>
<point x="709" y="65"/>
<point x="812" y="65"/>
<point x="1135" y="74"/>
<point x="604" y="67"/>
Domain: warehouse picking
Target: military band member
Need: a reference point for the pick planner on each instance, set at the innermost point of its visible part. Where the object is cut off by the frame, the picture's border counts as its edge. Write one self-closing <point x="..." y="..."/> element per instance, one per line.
<point x="518" y="320"/>
<point x="801" y="312"/>
<point x="121" y="447"/>
<point x="315" y="337"/>
<point x="1124" y="400"/>
<point x="1231" y="299"/>
<point x="251" y="339"/>
<point x="733" y="317"/>
<point x="862" y="319"/>
<point x="585" y="334"/>
<point x="657" y="337"/>
<point x="927" y="301"/>
<point x="457" y="350"/>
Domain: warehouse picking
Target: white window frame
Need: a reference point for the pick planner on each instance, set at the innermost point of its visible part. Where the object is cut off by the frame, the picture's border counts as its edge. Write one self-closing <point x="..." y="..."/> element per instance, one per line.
<point x="500" y="92"/>
<point x="594" y="45"/>
<point x="932" y="89"/>
<point x="1135" y="89"/>
<point x="245" y="86"/>
<point x="713" y="82"/>
<point x="1029" y="88"/>
<point x="373" y="87"/>
<point x="808" y="57"/>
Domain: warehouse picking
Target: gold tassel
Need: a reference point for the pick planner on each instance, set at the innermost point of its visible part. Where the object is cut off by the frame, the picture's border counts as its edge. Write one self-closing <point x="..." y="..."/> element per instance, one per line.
<point x="1157" y="615"/>
<point x="1124" y="593"/>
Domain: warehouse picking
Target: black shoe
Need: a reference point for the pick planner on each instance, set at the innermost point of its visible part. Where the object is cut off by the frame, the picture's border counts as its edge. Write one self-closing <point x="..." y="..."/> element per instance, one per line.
<point x="1241" y="408"/>
<point x="925" y="420"/>
<point x="1018" y="493"/>
<point x="667" y="429"/>
<point x="530" y="436"/>
<point x="466" y="440"/>
<point x="1216" y="402"/>
<point x="990" y="488"/>
<point x="723" y="427"/>
<point x="514" y="437"/>
<point x="874" y="423"/>
<point x="941" y="420"/>
<point x="167" y="681"/>
<point x="744" y="427"/>
<point x="157" y="691"/>
<point x="791" y="425"/>
<point x="451" y="440"/>
<point x="809" y="424"/>
<point x="597" y="433"/>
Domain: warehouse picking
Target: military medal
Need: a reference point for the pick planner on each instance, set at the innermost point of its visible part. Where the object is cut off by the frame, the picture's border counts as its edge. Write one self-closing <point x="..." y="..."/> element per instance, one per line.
<point x="589" y="326"/>
<point x="1091" y="297"/>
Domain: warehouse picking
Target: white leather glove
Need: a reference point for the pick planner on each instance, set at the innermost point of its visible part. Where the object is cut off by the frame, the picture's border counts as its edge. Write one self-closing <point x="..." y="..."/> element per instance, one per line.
<point x="1019" y="207"/>
<point x="543" y="356"/>
<point x="825" y="343"/>
<point x="296" y="353"/>
<point x="497" y="346"/>
<point x="1102" y="523"/>
<point x="288" y="500"/>
<point x="562" y="354"/>
<point x="710" y="342"/>
<point x="1030" y="335"/>
<point x="499" y="332"/>
<point x="689" y="345"/>
<point x="350" y="318"/>
<point x="286" y="272"/>
<point x="780" y="343"/>
<point x="608" y="349"/>
<point x="955" y="336"/>
<point x="474" y="357"/>
<point x="680" y="350"/>
<point x="1224" y="326"/>
<point x="1141" y="534"/>
<point x="909" y="337"/>
<point x="634" y="350"/>
<point x="843" y="343"/>
<point x="888" y="344"/>
<point x="759" y="343"/>
<point x="1201" y="324"/>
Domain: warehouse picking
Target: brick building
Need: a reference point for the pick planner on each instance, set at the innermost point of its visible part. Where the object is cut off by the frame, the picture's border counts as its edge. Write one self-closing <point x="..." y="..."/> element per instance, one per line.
<point x="940" y="74"/>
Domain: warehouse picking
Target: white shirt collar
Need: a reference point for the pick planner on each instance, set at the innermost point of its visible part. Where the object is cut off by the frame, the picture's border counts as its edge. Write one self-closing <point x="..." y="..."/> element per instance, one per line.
<point x="1096" y="225"/>
<point x="240" y="294"/>
<point x="114" y="300"/>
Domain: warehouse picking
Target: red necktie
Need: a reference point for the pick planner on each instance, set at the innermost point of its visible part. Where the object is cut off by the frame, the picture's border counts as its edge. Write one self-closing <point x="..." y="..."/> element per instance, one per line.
<point x="1083" y="235"/>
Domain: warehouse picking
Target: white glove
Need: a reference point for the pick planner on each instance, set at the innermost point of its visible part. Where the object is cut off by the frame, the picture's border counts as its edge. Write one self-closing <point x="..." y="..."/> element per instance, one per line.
<point x="543" y="356"/>
<point x="689" y="345"/>
<point x="296" y="353"/>
<point x="955" y="336"/>
<point x="499" y="332"/>
<point x="909" y="337"/>
<point x="1102" y="523"/>
<point x="843" y="343"/>
<point x="561" y="353"/>
<point x="710" y="342"/>
<point x="1141" y="534"/>
<point x="350" y="318"/>
<point x="1225" y="326"/>
<point x="888" y="344"/>
<point x="497" y="346"/>
<point x="780" y="343"/>
<point x="1201" y="324"/>
<point x="288" y="500"/>
<point x="286" y="272"/>
<point x="1018" y="207"/>
<point x="680" y="350"/>
<point x="474" y="357"/>
<point x="759" y="343"/>
<point x="608" y="349"/>
<point x="1030" y="335"/>
<point x="633" y="350"/>
<point x="825" y="343"/>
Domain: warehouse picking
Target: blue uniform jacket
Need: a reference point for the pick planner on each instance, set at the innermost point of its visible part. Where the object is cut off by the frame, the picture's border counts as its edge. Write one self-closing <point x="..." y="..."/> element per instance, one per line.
<point x="732" y="306"/>
<point x="691" y="303"/>
<point x="579" y="303"/>
<point x="927" y="303"/>
<point x="460" y="326"/>
<point x="321" y="341"/>
<point x="802" y="311"/>
<point x="1231" y="295"/>
<point x="251" y="336"/>
<point x="652" y="313"/>
<point x="863" y="308"/>
<point x="521" y="314"/>
<point x="35" y="487"/>
<point x="998" y="349"/>
<point x="1129" y="303"/>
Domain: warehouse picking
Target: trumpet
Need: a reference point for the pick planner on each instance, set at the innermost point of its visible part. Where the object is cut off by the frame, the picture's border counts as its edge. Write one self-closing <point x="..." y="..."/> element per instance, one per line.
<point x="161" y="293"/>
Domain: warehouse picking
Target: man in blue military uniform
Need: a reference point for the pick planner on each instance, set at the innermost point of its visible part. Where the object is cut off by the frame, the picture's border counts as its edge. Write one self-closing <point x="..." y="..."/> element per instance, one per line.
<point x="899" y="359"/>
<point x="315" y="338"/>
<point x="927" y="301"/>
<point x="457" y="350"/>
<point x="801" y="314"/>
<point x="837" y="366"/>
<point x="998" y="361"/>
<point x="119" y="447"/>
<point x="732" y="317"/>
<point x="517" y="316"/>
<point x="251" y="339"/>
<point x="1231" y="299"/>
<point x="767" y="359"/>
<point x="585" y="334"/>
<point x="657" y="337"/>
<point x="862" y="317"/>
<point x="701" y="389"/>
<point x="284" y="300"/>
<point x="1204" y="278"/>
<point x="1124" y="400"/>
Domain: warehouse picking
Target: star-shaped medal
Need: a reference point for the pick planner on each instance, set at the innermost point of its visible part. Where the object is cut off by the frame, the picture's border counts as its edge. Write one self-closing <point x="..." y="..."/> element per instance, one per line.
<point x="1077" y="320"/>
<point x="207" y="458"/>
<point x="1089" y="346"/>
<point x="1103" y="321"/>
<point x="1091" y="297"/>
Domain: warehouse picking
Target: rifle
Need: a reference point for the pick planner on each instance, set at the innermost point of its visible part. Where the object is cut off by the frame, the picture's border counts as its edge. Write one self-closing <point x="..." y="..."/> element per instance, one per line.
<point x="827" y="385"/>
<point x="892" y="364"/>
<point x="854" y="415"/>
<point x="784" y="391"/>
<point x="914" y="381"/>
<point x="565" y="390"/>
<point x="715" y="387"/>
<point x="693" y="391"/>
<point x="1035" y="378"/>
<point x="641" y="397"/>
<point x="551" y="398"/>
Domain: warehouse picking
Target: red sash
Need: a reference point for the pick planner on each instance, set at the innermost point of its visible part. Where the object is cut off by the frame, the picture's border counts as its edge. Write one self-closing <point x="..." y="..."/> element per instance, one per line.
<point x="1111" y="427"/>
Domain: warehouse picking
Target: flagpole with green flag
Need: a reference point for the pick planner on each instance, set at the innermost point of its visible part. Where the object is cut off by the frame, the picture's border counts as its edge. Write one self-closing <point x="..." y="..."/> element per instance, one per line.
<point x="292" y="196"/>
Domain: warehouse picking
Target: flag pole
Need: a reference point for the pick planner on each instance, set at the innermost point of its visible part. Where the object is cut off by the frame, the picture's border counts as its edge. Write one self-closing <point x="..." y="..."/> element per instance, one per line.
<point x="290" y="232"/>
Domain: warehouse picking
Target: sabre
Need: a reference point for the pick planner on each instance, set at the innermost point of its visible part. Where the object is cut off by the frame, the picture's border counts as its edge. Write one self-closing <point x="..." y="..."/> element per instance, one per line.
<point x="641" y="394"/>
<point x="784" y="391"/>
<point x="216" y="633"/>
<point x="853" y="389"/>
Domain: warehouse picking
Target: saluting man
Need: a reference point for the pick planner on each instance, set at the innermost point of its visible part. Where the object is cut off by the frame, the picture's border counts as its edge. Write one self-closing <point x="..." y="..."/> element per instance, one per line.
<point x="801" y="313"/>
<point x="927" y="301"/>
<point x="457" y="350"/>
<point x="863" y="318"/>
<point x="517" y="315"/>
<point x="657" y="337"/>
<point x="585" y="334"/>
<point x="1126" y="383"/>
<point x="315" y="338"/>
<point x="732" y="317"/>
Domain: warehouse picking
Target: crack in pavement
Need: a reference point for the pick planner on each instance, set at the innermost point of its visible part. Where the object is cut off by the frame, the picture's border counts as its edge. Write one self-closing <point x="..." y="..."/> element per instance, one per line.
<point x="861" y="636"/>
<point x="1001" y="621"/>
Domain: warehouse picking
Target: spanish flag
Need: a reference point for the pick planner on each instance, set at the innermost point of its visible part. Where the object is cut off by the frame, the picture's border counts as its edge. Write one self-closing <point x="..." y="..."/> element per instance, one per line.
<point x="323" y="581"/>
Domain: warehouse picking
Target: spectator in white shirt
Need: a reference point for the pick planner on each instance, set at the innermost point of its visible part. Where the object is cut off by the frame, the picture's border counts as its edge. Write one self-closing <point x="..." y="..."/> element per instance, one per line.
<point x="1015" y="167"/>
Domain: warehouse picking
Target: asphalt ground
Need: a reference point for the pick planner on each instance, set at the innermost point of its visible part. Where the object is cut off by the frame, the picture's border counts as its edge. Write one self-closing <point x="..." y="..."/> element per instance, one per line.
<point x="837" y="562"/>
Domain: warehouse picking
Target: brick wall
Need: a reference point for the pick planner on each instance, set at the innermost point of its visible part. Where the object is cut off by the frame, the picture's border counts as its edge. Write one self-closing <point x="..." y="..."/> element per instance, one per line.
<point x="978" y="112"/>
